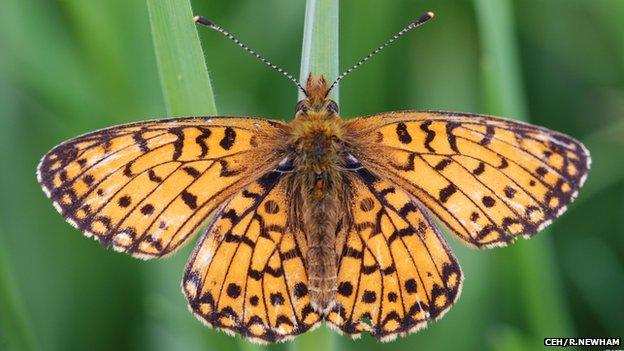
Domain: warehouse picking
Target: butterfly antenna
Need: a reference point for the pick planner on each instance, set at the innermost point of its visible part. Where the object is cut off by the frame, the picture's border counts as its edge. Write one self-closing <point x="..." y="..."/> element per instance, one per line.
<point x="419" y="22"/>
<point x="214" y="26"/>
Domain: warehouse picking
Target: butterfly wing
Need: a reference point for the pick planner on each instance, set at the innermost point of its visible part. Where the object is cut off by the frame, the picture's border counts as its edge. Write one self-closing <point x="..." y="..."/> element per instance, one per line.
<point x="247" y="275"/>
<point x="395" y="273"/>
<point x="145" y="187"/>
<point x="488" y="179"/>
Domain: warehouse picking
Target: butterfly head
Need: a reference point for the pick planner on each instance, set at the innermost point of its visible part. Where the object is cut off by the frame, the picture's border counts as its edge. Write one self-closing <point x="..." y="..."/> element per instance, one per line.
<point x="316" y="100"/>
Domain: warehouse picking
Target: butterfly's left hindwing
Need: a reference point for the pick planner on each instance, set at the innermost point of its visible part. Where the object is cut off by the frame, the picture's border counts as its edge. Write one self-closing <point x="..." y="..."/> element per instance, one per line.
<point x="247" y="275"/>
<point x="396" y="273"/>
<point x="145" y="187"/>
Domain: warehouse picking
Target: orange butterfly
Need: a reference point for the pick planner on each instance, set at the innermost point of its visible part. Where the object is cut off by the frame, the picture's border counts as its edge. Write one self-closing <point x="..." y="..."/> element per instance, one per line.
<point x="320" y="218"/>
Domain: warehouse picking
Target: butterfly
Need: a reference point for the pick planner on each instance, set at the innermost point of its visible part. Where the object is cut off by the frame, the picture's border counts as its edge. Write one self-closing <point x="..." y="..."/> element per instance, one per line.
<point x="318" y="219"/>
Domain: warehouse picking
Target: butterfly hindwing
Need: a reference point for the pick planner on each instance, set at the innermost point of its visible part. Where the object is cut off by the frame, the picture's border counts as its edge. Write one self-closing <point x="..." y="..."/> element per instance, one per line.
<point x="247" y="275"/>
<point x="145" y="187"/>
<point x="488" y="179"/>
<point x="395" y="272"/>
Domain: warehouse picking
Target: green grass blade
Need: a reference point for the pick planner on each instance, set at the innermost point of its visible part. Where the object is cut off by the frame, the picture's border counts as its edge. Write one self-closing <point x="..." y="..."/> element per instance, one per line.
<point x="320" y="50"/>
<point x="501" y="68"/>
<point x="181" y="65"/>
<point x="539" y="288"/>
<point x="15" y="333"/>
<point x="187" y="91"/>
<point x="319" y="56"/>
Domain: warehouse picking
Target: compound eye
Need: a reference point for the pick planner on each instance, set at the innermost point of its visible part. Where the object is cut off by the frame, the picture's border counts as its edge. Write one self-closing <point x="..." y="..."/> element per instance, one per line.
<point x="332" y="106"/>
<point x="301" y="107"/>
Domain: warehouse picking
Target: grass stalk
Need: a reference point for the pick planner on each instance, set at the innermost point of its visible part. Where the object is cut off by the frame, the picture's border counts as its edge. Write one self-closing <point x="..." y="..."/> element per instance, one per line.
<point x="187" y="91"/>
<point x="183" y="74"/>
<point x="15" y="333"/>
<point x="319" y="56"/>
<point x="541" y="293"/>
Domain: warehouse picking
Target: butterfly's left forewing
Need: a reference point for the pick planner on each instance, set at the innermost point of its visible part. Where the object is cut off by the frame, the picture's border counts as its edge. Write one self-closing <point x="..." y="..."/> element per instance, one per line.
<point x="145" y="187"/>
<point x="488" y="179"/>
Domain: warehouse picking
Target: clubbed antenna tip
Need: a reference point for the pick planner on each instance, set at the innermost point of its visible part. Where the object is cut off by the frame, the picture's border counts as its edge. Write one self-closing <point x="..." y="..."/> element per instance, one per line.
<point x="417" y="23"/>
<point x="203" y="21"/>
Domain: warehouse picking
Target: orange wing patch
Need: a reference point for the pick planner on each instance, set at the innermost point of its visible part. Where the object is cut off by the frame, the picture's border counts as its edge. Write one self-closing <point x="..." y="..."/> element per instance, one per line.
<point x="145" y="187"/>
<point x="488" y="179"/>
<point x="395" y="273"/>
<point x="247" y="275"/>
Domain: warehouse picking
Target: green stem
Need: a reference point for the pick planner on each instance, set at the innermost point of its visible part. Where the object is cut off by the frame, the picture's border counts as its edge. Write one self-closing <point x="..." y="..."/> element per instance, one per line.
<point x="538" y="289"/>
<point x="187" y="91"/>
<point x="14" y="329"/>
<point x="183" y="74"/>
<point x="320" y="50"/>
<point x="319" y="56"/>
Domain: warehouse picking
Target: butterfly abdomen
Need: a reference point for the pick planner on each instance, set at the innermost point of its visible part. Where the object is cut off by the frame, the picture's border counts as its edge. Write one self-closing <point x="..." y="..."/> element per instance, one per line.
<point x="320" y="220"/>
<point x="318" y="179"/>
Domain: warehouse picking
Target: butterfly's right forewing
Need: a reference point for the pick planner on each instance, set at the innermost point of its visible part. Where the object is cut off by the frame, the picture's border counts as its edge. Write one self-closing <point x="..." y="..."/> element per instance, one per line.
<point x="145" y="187"/>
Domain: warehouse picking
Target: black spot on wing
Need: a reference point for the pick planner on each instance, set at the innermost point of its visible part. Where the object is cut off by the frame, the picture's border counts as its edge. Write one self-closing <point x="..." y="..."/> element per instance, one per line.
<point x="147" y="209"/>
<point x="178" y="144"/>
<point x="269" y="179"/>
<point x="488" y="201"/>
<point x="430" y="135"/>
<point x="487" y="138"/>
<point x="509" y="192"/>
<point x="229" y="138"/>
<point x="189" y="199"/>
<point x="446" y="192"/>
<point x="345" y="289"/>
<point x="153" y="177"/>
<point x="233" y="290"/>
<point x="271" y="207"/>
<point x="124" y="201"/>
<point x="403" y="134"/>
<point x="277" y="299"/>
<point x="442" y="164"/>
<point x="450" y="136"/>
<point x="300" y="290"/>
<point x="201" y="141"/>
<point x="88" y="179"/>
<point x="411" y="286"/>
<point x="480" y="169"/>
<point x="141" y="142"/>
<point x="191" y="171"/>
<point x="369" y="296"/>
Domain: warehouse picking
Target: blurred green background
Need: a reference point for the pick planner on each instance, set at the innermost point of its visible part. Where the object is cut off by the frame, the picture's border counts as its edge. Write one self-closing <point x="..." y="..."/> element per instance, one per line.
<point x="71" y="66"/>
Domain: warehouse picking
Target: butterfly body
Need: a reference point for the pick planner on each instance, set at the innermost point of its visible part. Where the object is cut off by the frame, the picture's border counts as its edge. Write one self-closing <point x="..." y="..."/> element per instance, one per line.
<point x="319" y="188"/>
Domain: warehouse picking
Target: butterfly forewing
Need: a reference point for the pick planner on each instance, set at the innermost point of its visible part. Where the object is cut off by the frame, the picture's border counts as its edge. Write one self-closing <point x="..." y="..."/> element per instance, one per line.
<point x="247" y="274"/>
<point x="145" y="187"/>
<point x="488" y="179"/>
<point x="395" y="273"/>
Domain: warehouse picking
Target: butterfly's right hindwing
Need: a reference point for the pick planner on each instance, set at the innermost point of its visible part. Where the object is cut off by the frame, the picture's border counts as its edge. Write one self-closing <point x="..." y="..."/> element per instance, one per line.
<point x="247" y="275"/>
